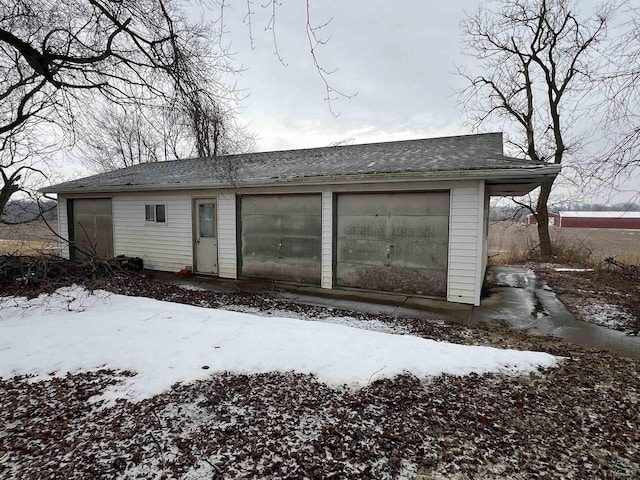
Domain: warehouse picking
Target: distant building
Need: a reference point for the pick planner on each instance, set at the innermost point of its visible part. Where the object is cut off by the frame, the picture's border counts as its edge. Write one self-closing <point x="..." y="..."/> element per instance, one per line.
<point x="554" y="218"/>
<point x="605" y="219"/>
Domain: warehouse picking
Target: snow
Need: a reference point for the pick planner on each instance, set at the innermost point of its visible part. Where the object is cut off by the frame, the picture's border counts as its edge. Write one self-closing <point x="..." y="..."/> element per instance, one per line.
<point x="566" y="269"/>
<point x="606" y="315"/>
<point x="75" y="330"/>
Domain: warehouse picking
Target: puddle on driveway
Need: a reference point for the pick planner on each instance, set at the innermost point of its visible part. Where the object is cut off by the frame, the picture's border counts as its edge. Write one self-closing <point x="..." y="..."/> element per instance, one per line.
<point x="523" y="301"/>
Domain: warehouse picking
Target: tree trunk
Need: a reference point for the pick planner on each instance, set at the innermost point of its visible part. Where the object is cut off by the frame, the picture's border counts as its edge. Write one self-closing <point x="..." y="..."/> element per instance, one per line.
<point x="542" y="216"/>
<point x="6" y="192"/>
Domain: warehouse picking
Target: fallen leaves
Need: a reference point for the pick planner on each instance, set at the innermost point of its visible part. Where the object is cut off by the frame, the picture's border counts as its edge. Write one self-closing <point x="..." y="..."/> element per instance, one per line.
<point x="579" y="420"/>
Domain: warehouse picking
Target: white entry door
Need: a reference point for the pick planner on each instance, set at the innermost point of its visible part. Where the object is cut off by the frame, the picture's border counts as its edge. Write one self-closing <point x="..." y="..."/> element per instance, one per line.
<point x="206" y="238"/>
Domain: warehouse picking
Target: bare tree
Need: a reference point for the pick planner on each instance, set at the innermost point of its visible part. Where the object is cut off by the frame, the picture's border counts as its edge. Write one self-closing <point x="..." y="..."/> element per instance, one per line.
<point x="59" y="58"/>
<point x="537" y="59"/>
<point x="621" y="83"/>
<point x="112" y="138"/>
<point x="22" y="163"/>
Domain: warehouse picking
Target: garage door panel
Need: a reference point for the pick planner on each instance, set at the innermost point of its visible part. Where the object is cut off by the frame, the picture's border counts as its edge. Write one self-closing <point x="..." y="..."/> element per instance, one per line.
<point x="435" y="230"/>
<point x="363" y="251"/>
<point x="294" y="225"/>
<point x="380" y="204"/>
<point x="281" y="205"/>
<point x="91" y="228"/>
<point x="412" y="254"/>
<point x="307" y="272"/>
<point x="362" y="226"/>
<point x="393" y="279"/>
<point x="281" y="237"/>
<point x="417" y="204"/>
<point x="394" y="241"/>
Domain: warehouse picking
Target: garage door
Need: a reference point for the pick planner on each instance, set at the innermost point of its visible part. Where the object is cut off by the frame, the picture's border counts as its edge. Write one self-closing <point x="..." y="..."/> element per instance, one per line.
<point x="281" y="237"/>
<point x="393" y="242"/>
<point x="90" y="228"/>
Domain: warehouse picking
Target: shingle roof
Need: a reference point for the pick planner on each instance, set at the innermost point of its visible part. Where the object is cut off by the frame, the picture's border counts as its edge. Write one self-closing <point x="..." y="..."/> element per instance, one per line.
<point x="481" y="152"/>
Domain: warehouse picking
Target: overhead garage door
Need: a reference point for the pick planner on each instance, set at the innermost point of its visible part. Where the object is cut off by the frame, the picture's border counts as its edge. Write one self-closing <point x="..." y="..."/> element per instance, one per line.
<point x="281" y="237"/>
<point x="393" y="242"/>
<point x="90" y="228"/>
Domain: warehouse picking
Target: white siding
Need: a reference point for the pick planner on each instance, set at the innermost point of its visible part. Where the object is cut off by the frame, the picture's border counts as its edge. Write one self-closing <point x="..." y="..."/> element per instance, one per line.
<point x="327" y="240"/>
<point x="465" y="243"/>
<point x="227" y="249"/>
<point x="485" y="235"/>
<point x="168" y="246"/>
<point x="63" y="227"/>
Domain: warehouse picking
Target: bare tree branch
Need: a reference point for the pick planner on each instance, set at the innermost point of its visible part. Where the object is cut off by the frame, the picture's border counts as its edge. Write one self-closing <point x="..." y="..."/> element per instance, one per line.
<point x="536" y="57"/>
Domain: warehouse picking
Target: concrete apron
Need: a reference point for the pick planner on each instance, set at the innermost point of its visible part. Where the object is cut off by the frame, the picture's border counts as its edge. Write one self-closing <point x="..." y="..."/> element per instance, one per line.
<point x="517" y="299"/>
<point x="523" y="301"/>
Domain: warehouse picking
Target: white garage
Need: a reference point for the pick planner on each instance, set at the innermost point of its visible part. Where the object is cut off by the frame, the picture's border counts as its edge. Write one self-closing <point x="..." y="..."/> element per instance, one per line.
<point x="408" y="217"/>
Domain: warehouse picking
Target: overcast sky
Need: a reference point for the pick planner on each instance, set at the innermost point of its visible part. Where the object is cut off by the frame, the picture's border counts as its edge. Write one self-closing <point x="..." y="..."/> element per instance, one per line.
<point x="399" y="57"/>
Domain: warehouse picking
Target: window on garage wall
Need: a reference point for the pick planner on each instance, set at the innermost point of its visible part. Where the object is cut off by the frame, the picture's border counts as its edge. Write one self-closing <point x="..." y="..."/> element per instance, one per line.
<point x="155" y="213"/>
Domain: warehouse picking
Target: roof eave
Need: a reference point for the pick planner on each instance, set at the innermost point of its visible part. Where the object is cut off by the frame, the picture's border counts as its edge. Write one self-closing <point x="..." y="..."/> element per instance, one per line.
<point x="535" y="174"/>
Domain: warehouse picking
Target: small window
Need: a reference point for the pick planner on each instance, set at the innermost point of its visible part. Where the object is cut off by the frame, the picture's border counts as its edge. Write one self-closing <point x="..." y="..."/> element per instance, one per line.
<point x="160" y="215"/>
<point x="155" y="213"/>
<point x="149" y="213"/>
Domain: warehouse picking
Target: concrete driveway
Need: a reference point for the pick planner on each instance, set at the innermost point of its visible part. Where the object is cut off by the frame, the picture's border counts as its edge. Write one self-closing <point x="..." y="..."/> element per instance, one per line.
<point x="519" y="299"/>
<point x="516" y="298"/>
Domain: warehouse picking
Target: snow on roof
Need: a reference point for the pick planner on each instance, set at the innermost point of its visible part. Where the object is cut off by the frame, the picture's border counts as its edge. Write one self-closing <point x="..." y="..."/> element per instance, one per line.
<point x="603" y="214"/>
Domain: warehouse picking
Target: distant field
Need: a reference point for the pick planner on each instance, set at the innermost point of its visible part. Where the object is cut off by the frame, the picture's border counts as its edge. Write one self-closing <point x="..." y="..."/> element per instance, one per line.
<point x="510" y="239"/>
<point x="28" y="238"/>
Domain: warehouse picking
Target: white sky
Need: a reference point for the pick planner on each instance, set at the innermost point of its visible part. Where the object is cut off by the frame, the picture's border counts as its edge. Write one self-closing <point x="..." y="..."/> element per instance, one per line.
<point x="397" y="56"/>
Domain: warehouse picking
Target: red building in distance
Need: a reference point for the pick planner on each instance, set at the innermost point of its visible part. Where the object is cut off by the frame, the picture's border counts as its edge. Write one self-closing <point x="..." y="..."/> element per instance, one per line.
<point x="604" y="219"/>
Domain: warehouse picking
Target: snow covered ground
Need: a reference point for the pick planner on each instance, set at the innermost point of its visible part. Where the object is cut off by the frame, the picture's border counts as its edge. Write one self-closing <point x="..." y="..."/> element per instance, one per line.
<point x="74" y="330"/>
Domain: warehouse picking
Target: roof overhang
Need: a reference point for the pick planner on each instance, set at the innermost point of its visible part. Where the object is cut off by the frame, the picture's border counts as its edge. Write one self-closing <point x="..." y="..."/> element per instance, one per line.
<point x="506" y="182"/>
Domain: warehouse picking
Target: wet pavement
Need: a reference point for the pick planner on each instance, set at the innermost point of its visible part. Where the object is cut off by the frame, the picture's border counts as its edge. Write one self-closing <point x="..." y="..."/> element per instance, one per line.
<point x="516" y="298"/>
<point x="521" y="300"/>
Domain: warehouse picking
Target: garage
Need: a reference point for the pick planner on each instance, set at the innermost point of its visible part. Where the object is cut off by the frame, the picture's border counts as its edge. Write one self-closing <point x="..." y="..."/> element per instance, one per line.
<point x="90" y="228"/>
<point x="280" y="237"/>
<point x="395" y="242"/>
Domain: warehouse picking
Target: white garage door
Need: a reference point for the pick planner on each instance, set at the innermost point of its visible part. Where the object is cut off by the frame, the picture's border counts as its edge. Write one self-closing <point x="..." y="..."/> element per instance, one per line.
<point x="394" y="242"/>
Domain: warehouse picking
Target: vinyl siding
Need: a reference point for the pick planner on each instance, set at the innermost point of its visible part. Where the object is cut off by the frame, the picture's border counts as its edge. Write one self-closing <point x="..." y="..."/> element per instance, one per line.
<point x="485" y="236"/>
<point x="170" y="247"/>
<point x="327" y="240"/>
<point x="63" y="226"/>
<point x="166" y="247"/>
<point x="465" y="243"/>
<point x="227" y="246"/>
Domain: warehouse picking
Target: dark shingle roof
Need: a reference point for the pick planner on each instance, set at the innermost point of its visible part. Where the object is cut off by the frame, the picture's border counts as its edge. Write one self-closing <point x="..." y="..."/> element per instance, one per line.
<point x="421" y="157"/>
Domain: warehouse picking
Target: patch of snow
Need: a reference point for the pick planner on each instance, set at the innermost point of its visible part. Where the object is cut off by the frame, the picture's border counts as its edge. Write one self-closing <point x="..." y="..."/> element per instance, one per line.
<point x="566" y="269"/>
<point x="191" y="287"/>
<point x="373" y="325"/>
<point x="75" y="330"/>
<point x="606" y="315"/>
